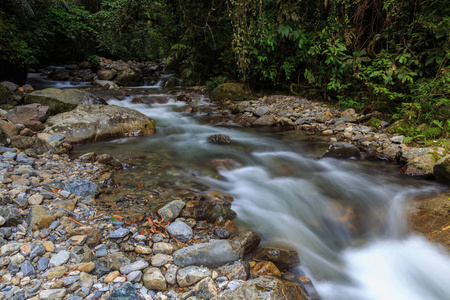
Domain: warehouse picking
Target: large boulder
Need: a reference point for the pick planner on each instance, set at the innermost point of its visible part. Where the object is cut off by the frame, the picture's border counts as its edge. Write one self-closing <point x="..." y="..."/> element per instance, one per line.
<point x="60" y="101"/>
<point x="421" y="166"/>
<point x="31" y="115"/>
<point x="430" y="216"/>
<point x="5" y="93"/>
<point x="128" y="77"/>
<point x="212" y="255"/>
<point x="269" y="287"/>
<point x="90" y="122"/>
<point x="409" y="154"/>
<point x="106" y="74"/>
<point x="441" y="170"/>
<point x="229" y="91"/>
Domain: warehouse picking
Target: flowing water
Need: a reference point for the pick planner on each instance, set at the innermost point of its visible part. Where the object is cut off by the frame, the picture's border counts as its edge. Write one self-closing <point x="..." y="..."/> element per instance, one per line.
<point x="346" y="218"/>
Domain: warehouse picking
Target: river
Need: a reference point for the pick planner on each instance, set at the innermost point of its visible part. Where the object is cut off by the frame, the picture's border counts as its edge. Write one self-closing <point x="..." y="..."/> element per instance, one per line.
<point x="346" y="218"/>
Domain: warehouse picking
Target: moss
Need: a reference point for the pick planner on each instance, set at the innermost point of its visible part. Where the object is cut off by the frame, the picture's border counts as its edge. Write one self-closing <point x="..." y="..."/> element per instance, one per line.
<point x="229" y="91"/>
<point x="401" y="126"/>
<point x="56" y="106"/>
<point x="374" y="122"/>
<point x="5" y="93"/>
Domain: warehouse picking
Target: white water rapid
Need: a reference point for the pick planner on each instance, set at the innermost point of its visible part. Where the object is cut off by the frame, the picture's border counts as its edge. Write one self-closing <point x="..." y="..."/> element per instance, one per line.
<point x="346" y="218"/>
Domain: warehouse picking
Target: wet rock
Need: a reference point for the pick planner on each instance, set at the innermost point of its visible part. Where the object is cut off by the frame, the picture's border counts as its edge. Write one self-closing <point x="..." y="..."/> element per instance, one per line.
<point x="108" y="160"/>
<point x="268" y="287"/>
<point x="11" y="215"/>
<point x="64" y="100"/>
<point x="226" y="164"/>
<point x="126" y="292"/>
<point x="212" y="254"/>
<point x="220" y="139"/>
<point x="89" y="122"/>
<point x="82" y="188"/>
<point x="128" y="77"/>
<point x="238" y="270"/>
<point x="205" y="289"/>
<point x="429" y="216"/>
<point x="248" y="240"/>
<point x="171" y="210"/>
<point x="342" y="150"/>
<point x="106" y="74"/>
<point x="40" y="218"/>
<point x="265" y="268"/>
<point x="265" y="121"/>
<point x="284" y="259"/>
<point x="441" y="170"/>
<point x="209" y="211"/>
<point x="421" y="166"/>
<point x="228" y="91"/>
<point x="180" y="231"/>
<point x="154" y="280"/>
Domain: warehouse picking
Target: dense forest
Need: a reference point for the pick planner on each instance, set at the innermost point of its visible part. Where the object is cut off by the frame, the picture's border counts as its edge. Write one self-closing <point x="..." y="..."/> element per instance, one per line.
<point x="385" y="55"/>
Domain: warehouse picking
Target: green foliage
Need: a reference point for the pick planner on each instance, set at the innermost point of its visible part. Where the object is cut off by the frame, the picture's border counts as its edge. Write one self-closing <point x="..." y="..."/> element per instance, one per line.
<point x="211" y="85"/>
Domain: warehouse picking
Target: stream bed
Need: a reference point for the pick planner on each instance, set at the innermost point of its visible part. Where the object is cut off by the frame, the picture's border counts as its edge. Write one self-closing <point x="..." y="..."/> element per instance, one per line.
<point x="346" y="218"/>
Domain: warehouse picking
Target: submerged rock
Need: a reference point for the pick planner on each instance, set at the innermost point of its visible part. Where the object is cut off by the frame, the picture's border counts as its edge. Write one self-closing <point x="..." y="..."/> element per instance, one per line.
<point x="90" y="122"/>
<point x="220" y="139"/>
<point x="64" y="100"/>
<point x="430" y="216"/>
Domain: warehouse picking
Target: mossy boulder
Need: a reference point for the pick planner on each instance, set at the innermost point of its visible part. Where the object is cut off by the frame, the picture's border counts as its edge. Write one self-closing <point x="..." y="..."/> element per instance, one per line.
<point x="91" y="122"/>
<point x="229" y="91"/>
<point x="5" y="93"/>
<point x="421" y="166"/>
<point x="129" y="77"/>
<point x="442" y="170"/>
<point x="60" y="101"/>
<point x="399" y="127"/>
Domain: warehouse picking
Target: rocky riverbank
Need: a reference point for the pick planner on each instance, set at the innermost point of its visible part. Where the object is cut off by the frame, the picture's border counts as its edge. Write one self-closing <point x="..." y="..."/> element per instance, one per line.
<point x="349" y="134"/>
<point x="58" y="242"/>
